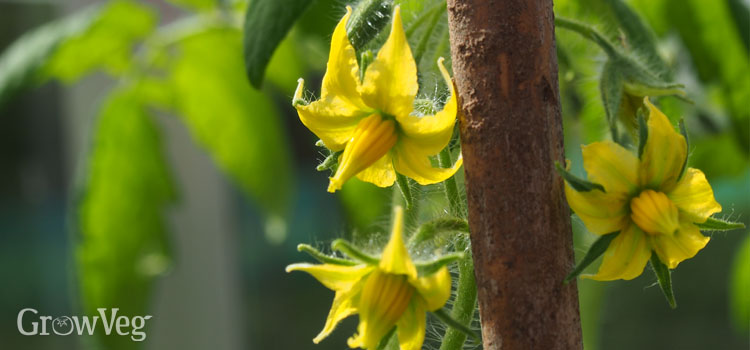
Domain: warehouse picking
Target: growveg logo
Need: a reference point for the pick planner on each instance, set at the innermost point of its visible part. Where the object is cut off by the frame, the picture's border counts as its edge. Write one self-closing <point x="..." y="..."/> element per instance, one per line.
<point x="67" y="325"/>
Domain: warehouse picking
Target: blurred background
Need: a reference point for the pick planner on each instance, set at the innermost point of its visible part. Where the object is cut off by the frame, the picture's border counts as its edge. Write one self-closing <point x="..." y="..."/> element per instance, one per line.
<point x="140" y="170"/>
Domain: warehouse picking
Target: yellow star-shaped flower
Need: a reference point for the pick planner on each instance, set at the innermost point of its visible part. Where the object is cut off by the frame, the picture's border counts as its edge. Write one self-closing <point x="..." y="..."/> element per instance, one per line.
<point x="650" y="200"/>
<point x="386" y="294"/>
<point x="373" y="120"/>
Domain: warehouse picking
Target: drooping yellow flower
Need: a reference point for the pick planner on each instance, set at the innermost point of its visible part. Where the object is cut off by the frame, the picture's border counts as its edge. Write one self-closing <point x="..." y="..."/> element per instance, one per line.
<point x="650" y="200"/>
<point x="386" y="294"/>
<point x="372" y="120"/>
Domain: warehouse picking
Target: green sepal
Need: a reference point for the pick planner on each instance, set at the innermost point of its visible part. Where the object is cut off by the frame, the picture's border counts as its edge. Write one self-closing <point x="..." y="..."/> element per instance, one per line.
<point x="389" y="341"/>
<point x="299" y="102"/>
<point x="642" y="83"/>
<point x="317" y="255"/>
<point x="642" y="134"/>
<point x="714" y="224"/>
<point x="403" y="185"/>
<point x="638" y="36"/>
<point x="364" y="61"/>
<point x="610" y="86"/>
<point x="367" y="21"/>
<point x="446" y="318"/>
<point x="683" y="131"/>
<point x="576" y="182"/>
<point x="596" y="250"/>
<point x="331" y="162"/>
<point x="353" y="252"/>
<point x="665" y="279"/>
<point x="428" y="268"/>
<point x="432" y="228"/>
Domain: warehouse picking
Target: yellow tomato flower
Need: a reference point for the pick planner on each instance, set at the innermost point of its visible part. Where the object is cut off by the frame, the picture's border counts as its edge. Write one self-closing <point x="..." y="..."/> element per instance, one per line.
<point x="386" y="294"/>
<point x="372" y="120"/>
<point x="649" y="201"/>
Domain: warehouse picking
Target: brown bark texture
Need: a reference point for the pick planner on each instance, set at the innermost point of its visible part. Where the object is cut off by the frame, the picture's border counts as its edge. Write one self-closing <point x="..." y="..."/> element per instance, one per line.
<point x="505" y="67"/>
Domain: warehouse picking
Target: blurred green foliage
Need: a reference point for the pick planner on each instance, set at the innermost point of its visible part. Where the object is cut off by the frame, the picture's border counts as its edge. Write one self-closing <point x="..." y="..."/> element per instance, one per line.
<point x="236" y="123"/>
<point x="123" y="241"/>
<point x="20" y="63"/>
<point x="106" y="44"/>
<point x="191" y="68"/>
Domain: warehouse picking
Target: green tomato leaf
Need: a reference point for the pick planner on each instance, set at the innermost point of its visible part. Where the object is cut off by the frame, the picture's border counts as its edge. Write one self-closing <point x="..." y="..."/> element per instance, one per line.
<point x="122" y="244"/>
<point x="638" y="36"/>
<point x="429" y="267"/>
<point x="107" y="44"/>
<point x="610" y="86"/>
<point x="21" y="61"/>
<point x="238" y="125"/>
<point x="266" y="24"/>
<point x="322" y="258"/>
<point x="368" y="18"/>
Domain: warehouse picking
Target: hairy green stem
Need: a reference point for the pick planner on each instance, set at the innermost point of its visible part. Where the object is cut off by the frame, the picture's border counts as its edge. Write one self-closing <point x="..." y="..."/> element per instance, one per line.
<point x="465" y="303"/>
<point x="451" y="189"/>
<point x="403" y="196"/>
<point x="589" y="33"/>
<point x="448" y="320"/>
<point x="466" y="293"/>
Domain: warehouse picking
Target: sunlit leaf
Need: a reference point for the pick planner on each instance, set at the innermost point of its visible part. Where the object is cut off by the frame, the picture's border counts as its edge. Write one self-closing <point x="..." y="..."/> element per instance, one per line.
<point x="108" y="44"/>
<point x="238" y="125"/>
<point x="122" y="235"/>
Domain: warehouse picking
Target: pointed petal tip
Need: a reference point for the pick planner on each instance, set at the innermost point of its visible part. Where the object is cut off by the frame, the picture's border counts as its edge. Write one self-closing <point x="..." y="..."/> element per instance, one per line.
<point x="333" y="186"/>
